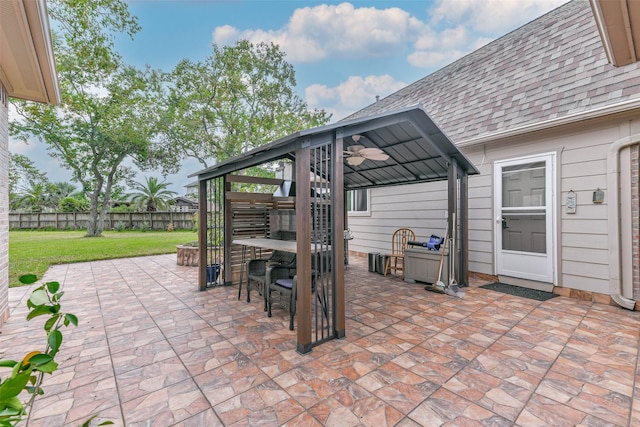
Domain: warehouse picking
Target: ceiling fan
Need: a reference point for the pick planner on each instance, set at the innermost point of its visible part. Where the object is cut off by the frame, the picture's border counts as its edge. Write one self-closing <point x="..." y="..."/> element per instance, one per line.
<point x="356" y="154"/>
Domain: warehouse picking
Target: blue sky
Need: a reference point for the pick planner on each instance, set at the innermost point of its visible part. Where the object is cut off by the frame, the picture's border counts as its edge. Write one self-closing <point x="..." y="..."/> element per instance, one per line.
<point x="344" y="53"/>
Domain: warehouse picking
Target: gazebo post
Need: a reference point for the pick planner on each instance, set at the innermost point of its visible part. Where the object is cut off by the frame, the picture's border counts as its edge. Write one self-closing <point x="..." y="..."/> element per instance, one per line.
<point x="452" y="213"/>
<point x="337" y="241"/>
<point x="303" y="245"/>
<point x="202" y="235"/>
<point x="463" y="265"/>
<point x="228" y="234"/>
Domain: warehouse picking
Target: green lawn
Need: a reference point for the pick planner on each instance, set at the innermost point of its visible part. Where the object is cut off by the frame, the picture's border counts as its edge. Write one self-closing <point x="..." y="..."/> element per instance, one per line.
<point x="34" y="251"/>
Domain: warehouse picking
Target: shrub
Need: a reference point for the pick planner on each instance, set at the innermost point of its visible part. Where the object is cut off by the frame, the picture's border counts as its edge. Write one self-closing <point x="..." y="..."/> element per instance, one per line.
<point x="120" y="226"/>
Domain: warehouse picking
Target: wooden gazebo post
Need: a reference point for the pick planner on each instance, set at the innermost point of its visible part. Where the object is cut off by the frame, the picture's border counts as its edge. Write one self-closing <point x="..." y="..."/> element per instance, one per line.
<point x="337" y="240"/>
<point x="303" y="242"/>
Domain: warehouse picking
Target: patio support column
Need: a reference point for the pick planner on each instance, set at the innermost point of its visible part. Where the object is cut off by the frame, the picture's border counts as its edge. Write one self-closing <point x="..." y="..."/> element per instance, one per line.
<point x="228" y="234"/>
<point x="452" y="213"/>
<point x="202" y="234"/>
<point x="337" y="241"/>
<point x="463" y="268"/>
<point x="303" y="245"/>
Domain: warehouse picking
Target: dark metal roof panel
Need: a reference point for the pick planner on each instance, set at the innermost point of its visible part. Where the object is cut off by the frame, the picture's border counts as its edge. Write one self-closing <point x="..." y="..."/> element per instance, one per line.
<point x="418" y="150"/>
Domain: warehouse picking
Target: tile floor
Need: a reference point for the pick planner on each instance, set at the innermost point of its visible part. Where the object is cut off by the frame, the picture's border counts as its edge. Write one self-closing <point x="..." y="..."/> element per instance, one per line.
<point x="151" y="350"/>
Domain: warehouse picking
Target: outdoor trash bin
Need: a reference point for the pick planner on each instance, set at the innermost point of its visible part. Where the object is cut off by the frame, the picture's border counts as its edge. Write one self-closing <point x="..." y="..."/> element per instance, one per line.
<point x="382" y="262"/>
<point x="373" y="261"/>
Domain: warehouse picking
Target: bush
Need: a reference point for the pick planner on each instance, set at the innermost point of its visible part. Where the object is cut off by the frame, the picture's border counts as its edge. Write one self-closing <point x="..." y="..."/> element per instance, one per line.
<point x="73" y="204"/>
<point x="120" y="226"/>
<point x="144" y="226"/>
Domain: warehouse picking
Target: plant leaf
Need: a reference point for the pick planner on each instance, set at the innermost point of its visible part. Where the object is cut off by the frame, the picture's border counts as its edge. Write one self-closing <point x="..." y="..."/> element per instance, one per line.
<point x="7" y="363"/>
<point x="48" y="367"/>
<point x="40" y="359"/>
<point x="50" y="323"/>
<point x="39" y="297"/>
<point x="28" y="279"/>
<point x="14" y="386"/>
<point x="55" y="339"/>
<point x="39" y="311"/>
<point x="13" y="403"/>
<point x="71" y="318"/>
<point x="27" y="358"/>
<point x="53" y="287"/>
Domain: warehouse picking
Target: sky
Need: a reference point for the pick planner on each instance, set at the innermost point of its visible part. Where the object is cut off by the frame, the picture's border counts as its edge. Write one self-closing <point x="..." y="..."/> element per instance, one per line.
<point x="345" y="54"/>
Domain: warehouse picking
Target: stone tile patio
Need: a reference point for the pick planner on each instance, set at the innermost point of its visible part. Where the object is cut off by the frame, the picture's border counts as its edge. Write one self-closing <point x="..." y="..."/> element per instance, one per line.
<point x="151" y="350"/>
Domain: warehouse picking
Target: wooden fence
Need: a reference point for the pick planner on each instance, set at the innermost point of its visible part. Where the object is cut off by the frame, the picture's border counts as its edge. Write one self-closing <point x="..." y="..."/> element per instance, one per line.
<point x="114" y="220"/>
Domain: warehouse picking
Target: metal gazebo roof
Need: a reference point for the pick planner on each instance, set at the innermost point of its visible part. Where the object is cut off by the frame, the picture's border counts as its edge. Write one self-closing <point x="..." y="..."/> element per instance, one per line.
<point x="418" y="150"/>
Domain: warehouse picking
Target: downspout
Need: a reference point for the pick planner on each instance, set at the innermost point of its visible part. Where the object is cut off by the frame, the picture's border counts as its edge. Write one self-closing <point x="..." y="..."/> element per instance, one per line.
<point x="613" y="183"/>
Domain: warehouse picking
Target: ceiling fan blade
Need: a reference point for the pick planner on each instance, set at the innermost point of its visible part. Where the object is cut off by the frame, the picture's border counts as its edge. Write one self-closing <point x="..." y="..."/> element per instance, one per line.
<point x="368" y="151"/>
<point x="354" y="160"/>
<point x="377" y="156"/>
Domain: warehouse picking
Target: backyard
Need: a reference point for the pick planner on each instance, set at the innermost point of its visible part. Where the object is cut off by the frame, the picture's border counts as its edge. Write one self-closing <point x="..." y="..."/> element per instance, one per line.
<point x="34" y="251"/>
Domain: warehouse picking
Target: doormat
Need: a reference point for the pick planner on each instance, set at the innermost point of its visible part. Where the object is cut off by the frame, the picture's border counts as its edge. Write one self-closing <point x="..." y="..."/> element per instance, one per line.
<point x="519" y="291"/>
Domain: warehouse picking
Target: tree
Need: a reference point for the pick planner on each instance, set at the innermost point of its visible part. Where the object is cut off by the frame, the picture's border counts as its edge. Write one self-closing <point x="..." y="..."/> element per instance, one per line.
<point x="22" y="172"/>
<point x="152" y="195"/>
<point x="108" y="109"/>
<point x="32" y="197"/>
<point x="238" y="98"/>
<point x="58" y="191"/>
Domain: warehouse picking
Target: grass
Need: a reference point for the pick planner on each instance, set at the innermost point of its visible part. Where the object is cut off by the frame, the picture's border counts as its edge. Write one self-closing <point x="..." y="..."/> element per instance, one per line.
<point x="34" y="251"/>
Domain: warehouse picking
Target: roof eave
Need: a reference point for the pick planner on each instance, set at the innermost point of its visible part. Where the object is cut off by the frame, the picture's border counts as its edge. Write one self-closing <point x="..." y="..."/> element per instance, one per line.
<point x="619" y="26"/>
<point x="27" y="62"/>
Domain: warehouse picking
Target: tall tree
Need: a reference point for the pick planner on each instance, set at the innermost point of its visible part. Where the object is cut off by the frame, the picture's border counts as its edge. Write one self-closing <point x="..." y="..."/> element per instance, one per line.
<point x="22" y="173"/>
<point x="108" y="108"/>
<point x="238" y="98"/>
<point x="152" y="195"/>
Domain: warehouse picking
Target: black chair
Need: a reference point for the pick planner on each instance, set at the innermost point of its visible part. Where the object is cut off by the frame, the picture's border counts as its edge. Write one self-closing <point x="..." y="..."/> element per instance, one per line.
<point x="257" y="269"/>
<point x="281" y="290"/>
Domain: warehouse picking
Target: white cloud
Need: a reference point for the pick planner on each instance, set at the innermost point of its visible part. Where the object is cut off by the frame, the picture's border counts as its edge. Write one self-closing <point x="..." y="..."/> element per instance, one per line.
<point x="315" y="33"/>
<point x="490" y="16"/>
<point x="353" y="94"/>
<point x="451" y="29"/>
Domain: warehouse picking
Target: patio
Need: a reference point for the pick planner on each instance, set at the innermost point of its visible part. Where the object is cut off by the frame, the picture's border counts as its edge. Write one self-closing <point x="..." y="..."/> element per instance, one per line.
<point x="153" y="350"/>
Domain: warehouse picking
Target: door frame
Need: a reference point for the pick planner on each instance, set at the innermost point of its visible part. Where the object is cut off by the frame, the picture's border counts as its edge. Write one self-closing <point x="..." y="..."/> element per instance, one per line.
<point x="550" y="159"/>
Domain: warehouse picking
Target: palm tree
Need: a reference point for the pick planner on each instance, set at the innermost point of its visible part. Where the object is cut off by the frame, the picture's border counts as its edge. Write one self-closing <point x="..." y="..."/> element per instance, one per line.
<point x="152" y="195"/>
<point x="33" y="197"/>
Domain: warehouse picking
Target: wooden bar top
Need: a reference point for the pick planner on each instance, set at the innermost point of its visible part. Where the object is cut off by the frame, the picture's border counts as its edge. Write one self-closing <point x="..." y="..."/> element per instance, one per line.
<point x="277" y="245"/>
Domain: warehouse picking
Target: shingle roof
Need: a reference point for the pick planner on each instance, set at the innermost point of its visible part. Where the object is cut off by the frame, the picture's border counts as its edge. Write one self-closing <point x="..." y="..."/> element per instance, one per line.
<point x="552" y="67"/>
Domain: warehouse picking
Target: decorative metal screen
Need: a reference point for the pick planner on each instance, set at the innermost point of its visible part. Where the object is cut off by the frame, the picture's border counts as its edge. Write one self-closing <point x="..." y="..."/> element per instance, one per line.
<point x="322" y="252"/>
<point x="215" y="235"/>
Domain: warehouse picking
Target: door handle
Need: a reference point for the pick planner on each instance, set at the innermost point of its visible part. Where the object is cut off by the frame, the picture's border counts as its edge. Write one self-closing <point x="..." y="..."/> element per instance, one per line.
<point x="504" y="223"/>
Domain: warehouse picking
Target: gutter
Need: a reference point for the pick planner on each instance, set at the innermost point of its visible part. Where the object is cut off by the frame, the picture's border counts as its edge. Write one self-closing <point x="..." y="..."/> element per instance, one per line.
<point x="621" y="107"/>
<point x="613" y="223"/>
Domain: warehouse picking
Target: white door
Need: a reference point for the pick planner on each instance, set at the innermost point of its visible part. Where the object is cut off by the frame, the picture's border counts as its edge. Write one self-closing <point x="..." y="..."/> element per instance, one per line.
<point x="524" y="217"/>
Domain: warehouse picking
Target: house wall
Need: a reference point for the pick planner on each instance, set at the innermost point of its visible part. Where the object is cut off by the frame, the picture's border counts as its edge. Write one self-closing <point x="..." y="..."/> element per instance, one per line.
<point x="581" y="239"/>
<point x="4" y="206"/>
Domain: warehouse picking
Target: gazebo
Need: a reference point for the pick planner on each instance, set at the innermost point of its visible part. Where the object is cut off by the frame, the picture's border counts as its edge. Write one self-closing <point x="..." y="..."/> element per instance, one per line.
<point x="315" y="199"/>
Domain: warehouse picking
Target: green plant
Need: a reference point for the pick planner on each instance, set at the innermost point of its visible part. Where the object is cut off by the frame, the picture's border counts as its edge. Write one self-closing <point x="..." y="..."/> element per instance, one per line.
<point x="144" y="226"/>
<point x="28" y="373"/>
<point x="120" y="226"/>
